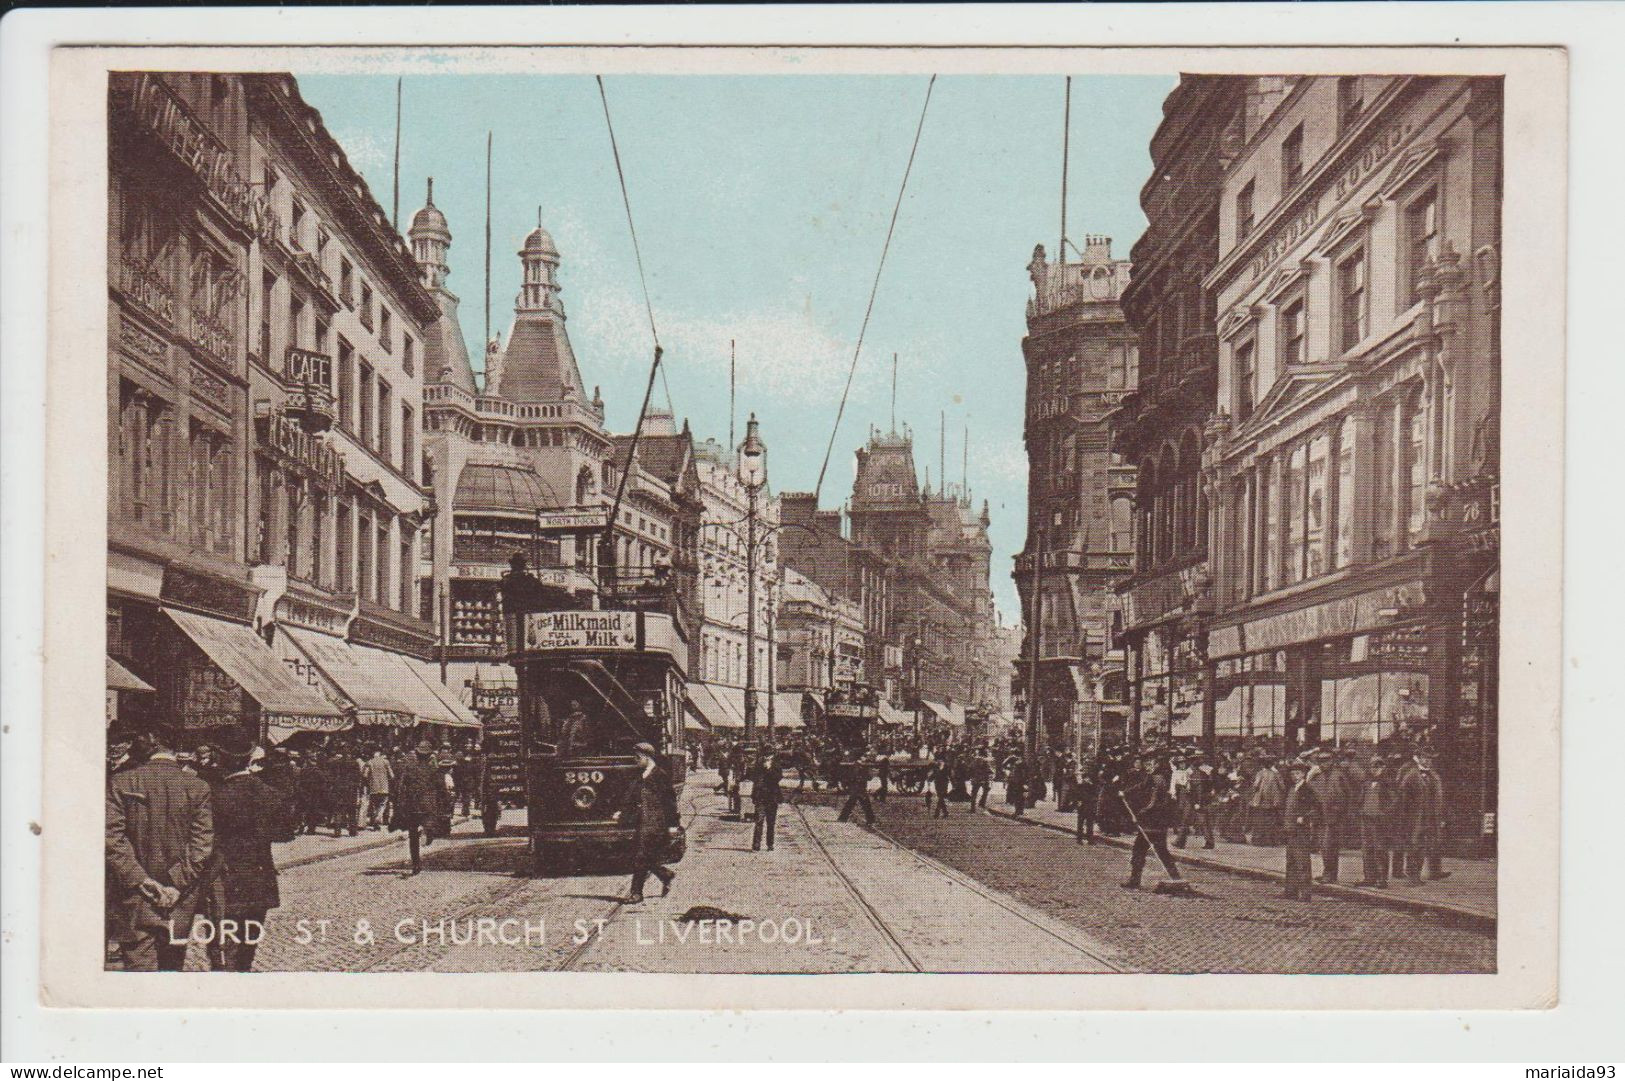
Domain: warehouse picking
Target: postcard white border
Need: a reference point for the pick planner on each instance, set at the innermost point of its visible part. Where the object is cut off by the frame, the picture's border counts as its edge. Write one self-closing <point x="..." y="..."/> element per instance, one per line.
<point x="1534" y="254"/>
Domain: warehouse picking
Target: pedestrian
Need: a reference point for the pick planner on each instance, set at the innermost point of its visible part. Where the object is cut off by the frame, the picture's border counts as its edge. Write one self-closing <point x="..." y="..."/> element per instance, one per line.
<point x="1376" y="813"/>
<point x="159" y="836"/>
<point x="650" y="812"/>
<point x="1421" y="801"/>
<point x="855" y="779"/>
<point x="379" y="773"/>
<point x="1149" y="805"/>
<point x="1015" y="784"/>
<point x="573" y="735"/>
<point x="249" y="815"/>
<point x="311" y="798"/>
<point x="341" y="778"/>
<point x="765" y="796"/>
<point x="415" y="805"/>
<point x="736" y="777"/>
<point x="883" y="773"/>
<point x="1267" y="803"/>
<point x="941" y="778"/>
<point x="1329" y="782"/>
<point x="1301" y="819"/>
<point x="981" y="777"/>
<point x="466" y="776"/>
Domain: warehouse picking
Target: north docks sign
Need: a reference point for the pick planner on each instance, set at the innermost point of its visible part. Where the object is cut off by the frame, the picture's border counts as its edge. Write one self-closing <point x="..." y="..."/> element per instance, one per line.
<point x="581" y="630"/>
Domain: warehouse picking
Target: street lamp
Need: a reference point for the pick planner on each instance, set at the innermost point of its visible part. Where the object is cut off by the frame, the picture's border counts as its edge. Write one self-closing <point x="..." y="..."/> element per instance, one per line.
<point x="753" y="475"/>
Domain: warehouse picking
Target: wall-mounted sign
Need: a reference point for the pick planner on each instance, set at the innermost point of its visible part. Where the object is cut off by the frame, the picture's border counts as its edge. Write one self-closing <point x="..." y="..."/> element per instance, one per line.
<point x="581" y="630"/>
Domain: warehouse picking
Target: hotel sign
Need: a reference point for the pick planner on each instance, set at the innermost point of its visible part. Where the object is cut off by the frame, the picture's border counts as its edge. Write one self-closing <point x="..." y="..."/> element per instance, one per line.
<point x="581" y="630"/>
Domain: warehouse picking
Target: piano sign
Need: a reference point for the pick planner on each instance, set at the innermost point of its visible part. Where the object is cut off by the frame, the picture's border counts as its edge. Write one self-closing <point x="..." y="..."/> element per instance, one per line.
<point x="581" y="630"/>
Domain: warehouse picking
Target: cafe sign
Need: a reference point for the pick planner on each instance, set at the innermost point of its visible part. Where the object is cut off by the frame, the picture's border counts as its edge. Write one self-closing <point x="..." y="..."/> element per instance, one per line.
<point x="581" y="630"/>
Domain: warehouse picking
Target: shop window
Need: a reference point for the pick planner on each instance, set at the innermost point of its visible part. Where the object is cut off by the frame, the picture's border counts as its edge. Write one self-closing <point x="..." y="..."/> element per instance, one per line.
<point x="1344" y="518"/>
<point x="1316" y="509"/>
<point x="1295" y="523"/>
<point x="1352" y="303"/>
<point x="1414" y="475"/>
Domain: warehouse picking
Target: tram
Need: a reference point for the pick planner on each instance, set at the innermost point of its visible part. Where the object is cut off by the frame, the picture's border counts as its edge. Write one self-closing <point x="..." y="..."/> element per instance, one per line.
<point x="593" y="683"/>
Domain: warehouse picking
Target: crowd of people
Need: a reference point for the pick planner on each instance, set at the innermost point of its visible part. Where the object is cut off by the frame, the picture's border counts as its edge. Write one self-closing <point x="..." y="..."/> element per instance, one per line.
<point x="1387" y="802"/>
<point x="190" y="825"/>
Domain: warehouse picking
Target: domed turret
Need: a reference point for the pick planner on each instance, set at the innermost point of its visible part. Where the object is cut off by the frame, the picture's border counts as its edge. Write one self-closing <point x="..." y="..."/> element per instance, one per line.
<point x="540" y="257"/>
<point x="431" y="238"/>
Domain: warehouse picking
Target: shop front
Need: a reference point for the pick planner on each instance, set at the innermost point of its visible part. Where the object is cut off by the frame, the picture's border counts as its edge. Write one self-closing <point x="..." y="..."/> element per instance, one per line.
<point x="1168" y="676"/>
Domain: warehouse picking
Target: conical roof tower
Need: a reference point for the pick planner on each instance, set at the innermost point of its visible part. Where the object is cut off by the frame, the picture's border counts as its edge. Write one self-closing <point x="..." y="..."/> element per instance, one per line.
<point x="445" y="356"/>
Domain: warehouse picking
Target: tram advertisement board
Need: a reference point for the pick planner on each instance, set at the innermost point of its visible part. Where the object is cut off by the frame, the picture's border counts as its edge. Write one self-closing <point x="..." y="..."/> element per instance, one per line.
<point x="581" y="630"/>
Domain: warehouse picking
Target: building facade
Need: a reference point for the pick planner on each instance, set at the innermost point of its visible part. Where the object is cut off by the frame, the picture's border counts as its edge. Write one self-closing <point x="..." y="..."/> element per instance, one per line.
<point x="1081" y="360"/>
<point x="724" y="634"/>
<point x="265" y="396"/>
<point x="1353" y="459"/>
<point x="1161" y="425"/>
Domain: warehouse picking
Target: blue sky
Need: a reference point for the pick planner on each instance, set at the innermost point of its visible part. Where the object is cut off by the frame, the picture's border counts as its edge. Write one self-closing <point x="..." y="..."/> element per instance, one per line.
<point x="761" y="204"/>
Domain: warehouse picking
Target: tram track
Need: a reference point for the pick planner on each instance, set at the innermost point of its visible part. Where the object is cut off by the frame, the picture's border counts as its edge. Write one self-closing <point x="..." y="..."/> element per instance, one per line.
<point x="870" y="912"/>
<point x="575" y="956"/>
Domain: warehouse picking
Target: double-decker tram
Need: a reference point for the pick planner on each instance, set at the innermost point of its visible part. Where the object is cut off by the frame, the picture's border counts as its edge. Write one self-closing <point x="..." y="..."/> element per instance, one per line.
<point x="593" y="683"/>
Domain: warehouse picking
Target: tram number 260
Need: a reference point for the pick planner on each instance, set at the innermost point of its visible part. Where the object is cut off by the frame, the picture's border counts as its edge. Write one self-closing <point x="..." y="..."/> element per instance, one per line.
<point x="583" y="776"/>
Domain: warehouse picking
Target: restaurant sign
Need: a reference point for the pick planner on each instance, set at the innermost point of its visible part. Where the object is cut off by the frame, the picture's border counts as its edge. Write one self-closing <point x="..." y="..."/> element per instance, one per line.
<point x="581" y="630"/>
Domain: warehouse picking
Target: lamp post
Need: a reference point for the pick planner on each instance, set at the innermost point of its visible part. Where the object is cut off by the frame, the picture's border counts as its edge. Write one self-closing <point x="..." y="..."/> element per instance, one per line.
<point x="752" y="474"/>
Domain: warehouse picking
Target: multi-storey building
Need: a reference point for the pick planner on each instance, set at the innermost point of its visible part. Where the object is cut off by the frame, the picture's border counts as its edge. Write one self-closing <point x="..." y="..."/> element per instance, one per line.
<point x="724" y="634"/>
<point x="820" y="643"/>
<point x="266" y="413"/>
<point x="1081" y="360"/>
<point x="1353" y="456"/>
<point x="1160" y="427"/>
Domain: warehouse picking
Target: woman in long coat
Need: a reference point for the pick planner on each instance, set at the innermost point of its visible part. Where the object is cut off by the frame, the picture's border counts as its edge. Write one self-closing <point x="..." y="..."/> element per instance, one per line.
<point x="651" y="810"/>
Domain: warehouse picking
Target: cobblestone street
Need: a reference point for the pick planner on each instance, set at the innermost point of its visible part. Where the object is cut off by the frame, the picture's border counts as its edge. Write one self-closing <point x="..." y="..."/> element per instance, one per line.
<point x="966" y="893"/>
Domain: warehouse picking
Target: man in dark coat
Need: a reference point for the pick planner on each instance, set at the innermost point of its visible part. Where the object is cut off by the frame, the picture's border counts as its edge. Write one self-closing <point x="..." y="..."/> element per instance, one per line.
<point x="1330" y="783"/>
<point x="766" y="778"/>
<point x="1143" y="792"/>
<point x="1374" y="806"/>
<point x="1421" y="816"/>
<point x="1302" y="820"/>
<point x="249" y="815"/>
<point x="160" y="832"/>
<point x="415" y="804"/>
<point x="343" y="777"/>
<point x="855" y="781"/>
<point x="1016" y="784"/>
<point x="940" y="777"/>
<point x="981" y="778"/>
<point x="651" y="810"/>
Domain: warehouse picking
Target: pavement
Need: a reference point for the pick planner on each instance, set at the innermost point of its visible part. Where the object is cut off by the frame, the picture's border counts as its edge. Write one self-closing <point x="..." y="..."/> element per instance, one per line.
<point x="1468" y="895"/>
<point x="315" y="847"/>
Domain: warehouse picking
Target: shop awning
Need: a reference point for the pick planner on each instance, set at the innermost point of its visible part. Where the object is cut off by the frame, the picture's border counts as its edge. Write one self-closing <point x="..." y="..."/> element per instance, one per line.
<point x="366" y="683"/>
<point x="787" y="709"/>
<point x="719" y="706"/>
<point x="463" y="716"/>
<point x="251" y="664"/>
<point x="890" y="714"/>
<point x="951" y="715"/>
<point x="120" y="678"/>
<point x="416" y="689"/>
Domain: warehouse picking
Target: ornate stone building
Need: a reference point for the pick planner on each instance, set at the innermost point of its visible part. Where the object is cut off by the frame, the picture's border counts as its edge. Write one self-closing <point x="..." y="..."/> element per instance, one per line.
<point x="1081" y="360"/>
<point x="1353" y="459"/>
<point x="1161" y="426"/>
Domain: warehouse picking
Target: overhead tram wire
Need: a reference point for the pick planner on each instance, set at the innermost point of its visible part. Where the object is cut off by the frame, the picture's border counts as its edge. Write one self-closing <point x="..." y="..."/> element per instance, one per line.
<point x="605" y="545"/>
<point x="873" y="290"/>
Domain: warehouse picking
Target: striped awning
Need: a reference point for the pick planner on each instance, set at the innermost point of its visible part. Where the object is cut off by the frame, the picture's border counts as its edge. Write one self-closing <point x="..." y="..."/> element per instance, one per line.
<point x="120" y="678"/>
<point x="250" y="663"/>
<point x="716" y="706"/>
